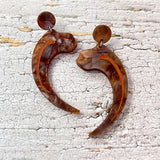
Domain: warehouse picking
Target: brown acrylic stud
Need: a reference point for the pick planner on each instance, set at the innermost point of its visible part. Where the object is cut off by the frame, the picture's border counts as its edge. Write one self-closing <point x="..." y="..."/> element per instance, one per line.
<point x="102" y="33"/>
<point x="46" y="20"/>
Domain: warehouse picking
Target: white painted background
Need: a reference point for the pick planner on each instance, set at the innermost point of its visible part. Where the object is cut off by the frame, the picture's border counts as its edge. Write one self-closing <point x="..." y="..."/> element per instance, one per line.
<point x="31" y="128"/>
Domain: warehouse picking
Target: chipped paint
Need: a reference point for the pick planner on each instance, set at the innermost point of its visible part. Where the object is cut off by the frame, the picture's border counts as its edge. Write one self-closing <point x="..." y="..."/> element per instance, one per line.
<point x="12" y="42"/>
<point x="51" y="5"/>
<point x="95" y="150"/>
<point x="25" y="29"/>
<point x="81" y="34"/>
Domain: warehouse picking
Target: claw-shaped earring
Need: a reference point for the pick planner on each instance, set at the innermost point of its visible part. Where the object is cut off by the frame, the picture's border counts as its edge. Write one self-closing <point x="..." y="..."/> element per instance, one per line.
<point x="49" y="46"/>
<point x="102" y="59"/>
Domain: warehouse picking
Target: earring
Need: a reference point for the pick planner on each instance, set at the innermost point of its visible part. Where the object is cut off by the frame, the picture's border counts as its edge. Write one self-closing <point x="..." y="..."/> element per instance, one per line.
<point x="103" y="59"/>
<point x="48" y="47"/>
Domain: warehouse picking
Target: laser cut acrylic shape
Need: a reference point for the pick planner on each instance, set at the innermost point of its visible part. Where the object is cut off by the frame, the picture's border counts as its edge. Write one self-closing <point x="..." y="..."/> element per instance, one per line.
<point x="49" y="46"/>
<point x="104" y="60"/>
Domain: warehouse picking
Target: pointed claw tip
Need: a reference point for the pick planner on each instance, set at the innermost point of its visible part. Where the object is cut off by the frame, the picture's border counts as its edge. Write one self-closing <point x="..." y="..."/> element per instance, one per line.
<point x="91" y="135"/>
<point x="76" y="111"/>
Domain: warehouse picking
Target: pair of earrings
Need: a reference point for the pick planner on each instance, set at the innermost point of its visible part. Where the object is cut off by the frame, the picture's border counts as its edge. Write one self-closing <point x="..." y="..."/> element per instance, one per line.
<point x="98" y="58"/>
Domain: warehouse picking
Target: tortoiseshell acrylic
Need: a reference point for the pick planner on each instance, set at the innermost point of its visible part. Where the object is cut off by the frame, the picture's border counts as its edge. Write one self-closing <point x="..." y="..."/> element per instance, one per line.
<point x="103" y="59"/>
<point x="48" y="47"/>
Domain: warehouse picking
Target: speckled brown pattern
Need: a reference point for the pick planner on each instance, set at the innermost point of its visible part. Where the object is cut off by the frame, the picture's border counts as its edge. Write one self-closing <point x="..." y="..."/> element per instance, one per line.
<point x="49" y="46"/>
<point x="104" y="60"/>
<point x="46" y="20"/>
<point x="102" y="33"/>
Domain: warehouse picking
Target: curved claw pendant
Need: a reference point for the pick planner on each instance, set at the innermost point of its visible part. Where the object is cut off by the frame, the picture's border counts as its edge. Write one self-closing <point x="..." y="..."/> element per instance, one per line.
<point x="48" y="47"/>
<point x="102" y="59"/>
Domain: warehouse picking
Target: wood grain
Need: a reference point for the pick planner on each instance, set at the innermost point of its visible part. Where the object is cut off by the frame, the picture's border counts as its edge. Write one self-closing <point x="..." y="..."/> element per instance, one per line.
<point x="30" y="128"/>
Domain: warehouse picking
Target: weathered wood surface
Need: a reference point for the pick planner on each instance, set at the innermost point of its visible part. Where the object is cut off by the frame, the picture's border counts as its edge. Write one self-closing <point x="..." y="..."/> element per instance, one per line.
<point x="32" y="128"/>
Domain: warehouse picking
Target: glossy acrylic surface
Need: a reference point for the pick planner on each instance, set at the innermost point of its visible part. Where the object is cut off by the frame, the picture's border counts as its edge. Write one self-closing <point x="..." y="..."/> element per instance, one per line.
<point x="107" y="62"/>
<point x="46" y="20"/>
<point x="48" y="47"/>
<point x="102" y="33"/>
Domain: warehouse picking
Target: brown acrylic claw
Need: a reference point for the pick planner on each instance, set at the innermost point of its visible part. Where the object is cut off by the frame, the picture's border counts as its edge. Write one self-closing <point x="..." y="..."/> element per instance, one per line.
<point x="102" y="59"/>
<point x="48" y="47"/>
